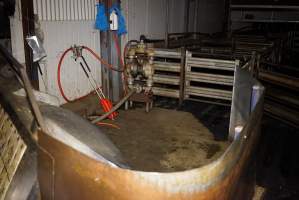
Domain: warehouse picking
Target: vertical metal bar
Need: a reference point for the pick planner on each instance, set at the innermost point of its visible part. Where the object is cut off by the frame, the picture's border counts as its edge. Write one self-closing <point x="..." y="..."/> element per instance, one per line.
<point x="186" y="15"/>
<point x="28" y="29"/>
<point x="182" y="76"/>
<point x="238" y="130"/>
<point x="104" y="54"/>
<point x="226" y="24"/>
<point x="257" y="91"/>
<point x="111" y="81"/>
<point x="195" y="16"/>
<point x="166" y="23"/>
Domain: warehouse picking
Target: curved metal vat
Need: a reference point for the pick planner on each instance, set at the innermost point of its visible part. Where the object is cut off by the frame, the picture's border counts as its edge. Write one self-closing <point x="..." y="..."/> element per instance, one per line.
<point x="76" y="161"/>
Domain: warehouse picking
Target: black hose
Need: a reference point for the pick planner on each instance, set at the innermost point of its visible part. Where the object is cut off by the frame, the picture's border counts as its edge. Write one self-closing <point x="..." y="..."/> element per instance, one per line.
<point x="117" y="106"/>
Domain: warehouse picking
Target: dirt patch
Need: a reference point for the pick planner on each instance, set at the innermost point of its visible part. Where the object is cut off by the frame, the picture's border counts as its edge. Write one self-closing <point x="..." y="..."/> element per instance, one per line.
<point x="164" y="140"/>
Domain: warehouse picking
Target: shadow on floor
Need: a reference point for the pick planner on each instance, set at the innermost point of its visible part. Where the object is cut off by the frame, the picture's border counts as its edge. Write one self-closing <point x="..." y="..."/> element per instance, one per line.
<point x="278" y="161"/>
<point x="214" y="117"/>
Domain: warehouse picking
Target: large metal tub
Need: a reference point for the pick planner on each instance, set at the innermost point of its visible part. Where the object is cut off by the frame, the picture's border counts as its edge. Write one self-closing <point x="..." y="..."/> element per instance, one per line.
<point x="70" y="168"/>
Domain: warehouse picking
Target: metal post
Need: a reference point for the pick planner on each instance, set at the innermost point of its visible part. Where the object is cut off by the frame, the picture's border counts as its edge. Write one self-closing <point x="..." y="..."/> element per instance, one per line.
<point x="166" y="23"/>
<point x="226" y="24"/>
<point x="28" y="29"/>
<point x="182" y="76"/>
<point x="257" y="91"/>
<point x="186" y="16"/>
<point x="238" y="130"/>
<point x="111" y="81"/>
<point x="195" y="16"/>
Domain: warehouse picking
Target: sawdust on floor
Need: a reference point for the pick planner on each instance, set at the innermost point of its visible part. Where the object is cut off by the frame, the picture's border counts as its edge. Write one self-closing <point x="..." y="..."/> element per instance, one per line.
<point x="164" y="140"/>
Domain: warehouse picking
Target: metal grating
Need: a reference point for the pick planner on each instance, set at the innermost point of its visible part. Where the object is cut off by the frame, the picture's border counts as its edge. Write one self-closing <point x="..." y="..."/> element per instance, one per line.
<point x="12" y="148"/>
<point x="65" y="10"/>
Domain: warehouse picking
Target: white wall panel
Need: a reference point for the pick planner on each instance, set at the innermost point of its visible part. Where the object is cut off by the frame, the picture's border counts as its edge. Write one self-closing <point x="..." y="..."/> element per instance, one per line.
<point x="58" y="37"/>
<point x="64" y="23"/>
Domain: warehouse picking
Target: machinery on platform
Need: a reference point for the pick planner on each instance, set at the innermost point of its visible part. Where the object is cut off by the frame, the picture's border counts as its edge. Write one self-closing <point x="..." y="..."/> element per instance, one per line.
<point x="139" y="73"/>
<point x="139" y="67"/>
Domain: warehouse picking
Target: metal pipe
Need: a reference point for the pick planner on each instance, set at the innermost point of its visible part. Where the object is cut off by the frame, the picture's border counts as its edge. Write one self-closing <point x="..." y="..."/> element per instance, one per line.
<point x="166" y="23"/>
<point x="257" y="91"/>
<point x="186" y="16"/>
<point x="279" y="79"/>
<point x="195" y="25"/>
<point x="117" y="106"/>
<point x="91" y="83"/>
<point x="97" y="88"/>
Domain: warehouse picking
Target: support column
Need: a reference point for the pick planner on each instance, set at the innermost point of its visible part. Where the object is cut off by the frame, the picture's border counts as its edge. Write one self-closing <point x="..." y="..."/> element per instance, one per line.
<point x="28" y="29"/>
<point x="111" y="80"/>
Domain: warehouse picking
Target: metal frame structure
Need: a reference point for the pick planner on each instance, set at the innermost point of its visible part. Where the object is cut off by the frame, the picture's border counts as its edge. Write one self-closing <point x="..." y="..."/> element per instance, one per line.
<point x="264" y="13"/>
<point x="172" y="73"/>
<point x="215" y="76"/>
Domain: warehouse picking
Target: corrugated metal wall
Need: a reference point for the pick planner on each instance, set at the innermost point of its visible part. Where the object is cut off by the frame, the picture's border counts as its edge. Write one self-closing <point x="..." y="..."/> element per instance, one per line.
<point x="58" y="37"/>
<point x="64" y="23"/>
<point x="56" y="10"/>
<point x="148" y="17"/>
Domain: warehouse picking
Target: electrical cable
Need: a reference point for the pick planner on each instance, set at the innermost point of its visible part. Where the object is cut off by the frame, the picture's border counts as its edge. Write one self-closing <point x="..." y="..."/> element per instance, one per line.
<point x="105" y="63"/>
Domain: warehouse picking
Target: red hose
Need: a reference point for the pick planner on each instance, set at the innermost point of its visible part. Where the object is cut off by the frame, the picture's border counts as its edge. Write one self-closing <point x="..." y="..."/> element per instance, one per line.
<point x="118" y="50"/>
<point x="106" y="64"/>
<point x="59" y="78"/>
<point x="124" y="77"/>
<point x="107" y="124"/>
